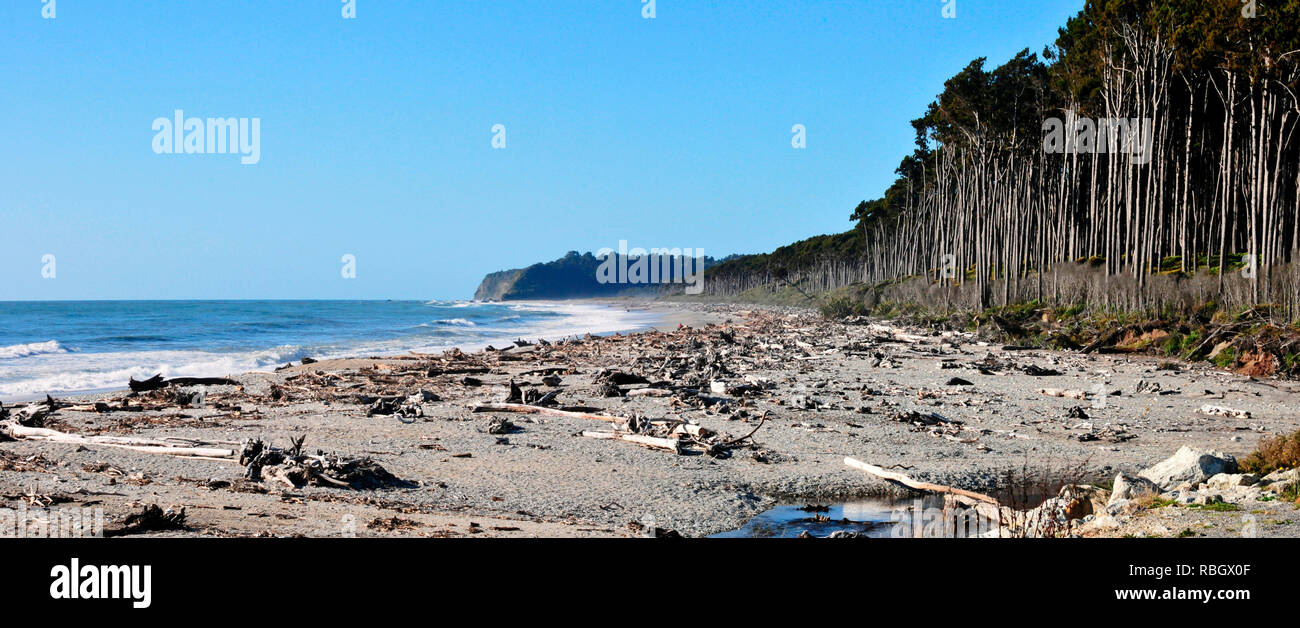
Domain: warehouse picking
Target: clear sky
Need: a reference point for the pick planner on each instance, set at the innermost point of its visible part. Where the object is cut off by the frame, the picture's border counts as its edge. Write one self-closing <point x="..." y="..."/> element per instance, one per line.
<point x="376" y="133"/>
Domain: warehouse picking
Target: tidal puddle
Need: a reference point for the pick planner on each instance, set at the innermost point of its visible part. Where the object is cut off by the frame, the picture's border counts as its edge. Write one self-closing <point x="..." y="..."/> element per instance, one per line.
<point x="930" y="516"/>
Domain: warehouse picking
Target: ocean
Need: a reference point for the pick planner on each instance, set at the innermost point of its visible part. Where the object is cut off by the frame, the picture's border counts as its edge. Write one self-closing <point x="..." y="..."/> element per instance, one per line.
<point x="89" y="346"/>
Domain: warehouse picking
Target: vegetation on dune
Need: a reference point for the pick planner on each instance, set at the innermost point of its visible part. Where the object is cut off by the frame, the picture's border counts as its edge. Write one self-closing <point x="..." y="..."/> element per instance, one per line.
<point x="1272" y="454"/>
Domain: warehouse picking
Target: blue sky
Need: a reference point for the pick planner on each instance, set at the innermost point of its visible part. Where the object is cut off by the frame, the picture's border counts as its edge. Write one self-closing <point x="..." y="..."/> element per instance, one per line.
<point x="376" y="133"/>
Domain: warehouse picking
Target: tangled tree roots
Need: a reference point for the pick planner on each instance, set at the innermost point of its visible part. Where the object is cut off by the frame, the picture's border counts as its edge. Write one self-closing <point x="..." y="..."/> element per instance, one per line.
<point x="296" y="469"/>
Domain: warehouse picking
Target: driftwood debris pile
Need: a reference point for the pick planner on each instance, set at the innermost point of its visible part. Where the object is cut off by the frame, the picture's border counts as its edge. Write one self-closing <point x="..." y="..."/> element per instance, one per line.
<point x="295" y="469"/>
<point x="678" y="436"/>
<point x="151" y="518"/>
<point x="158" y="382"/>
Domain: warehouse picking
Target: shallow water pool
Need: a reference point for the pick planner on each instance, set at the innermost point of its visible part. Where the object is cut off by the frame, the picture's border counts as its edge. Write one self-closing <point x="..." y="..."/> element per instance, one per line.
<point x="870" y="517"/>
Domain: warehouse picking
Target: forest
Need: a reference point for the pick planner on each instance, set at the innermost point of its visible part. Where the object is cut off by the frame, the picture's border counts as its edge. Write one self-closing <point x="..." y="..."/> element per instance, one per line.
<point x="1013" y="194"/>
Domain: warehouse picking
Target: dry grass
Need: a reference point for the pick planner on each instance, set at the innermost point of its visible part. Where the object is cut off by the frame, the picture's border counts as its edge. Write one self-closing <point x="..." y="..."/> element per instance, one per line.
<point x="1273" y="453"/>
<point x="1027" y="486"/>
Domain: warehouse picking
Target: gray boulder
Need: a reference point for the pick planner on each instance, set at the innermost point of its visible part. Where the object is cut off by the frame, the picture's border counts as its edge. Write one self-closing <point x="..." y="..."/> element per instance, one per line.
<point x="1190" y="465"/>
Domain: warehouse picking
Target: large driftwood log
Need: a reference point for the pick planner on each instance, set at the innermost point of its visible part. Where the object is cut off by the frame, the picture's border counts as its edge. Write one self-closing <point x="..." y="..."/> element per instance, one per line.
<point x="157" y="381"/>
<point x="987" y="507"/>
<point x="899" y="478"/>
<point x="526" y="409"/>
<point x="679" y="426"/>
<point x="668" y="444"/>
<point x="143" y="445"/>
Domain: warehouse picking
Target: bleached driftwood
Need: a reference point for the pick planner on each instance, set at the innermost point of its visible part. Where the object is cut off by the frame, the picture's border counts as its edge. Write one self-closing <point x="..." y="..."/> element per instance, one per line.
<point x="1069" y="394"/>
<point x="527" y="409"/>
<point x="649" y="392"/>
<point x="143" y="445"/>
<point x="985" y="505"/>
<point x="668" y="444"/>
<point x="1225" y="412"/>
<point x="678" y="425"/>
<point x="899" y="478"/>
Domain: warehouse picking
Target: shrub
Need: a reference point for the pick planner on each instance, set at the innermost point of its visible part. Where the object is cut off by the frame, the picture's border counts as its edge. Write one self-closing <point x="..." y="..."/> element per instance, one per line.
<point x="840" y="307"/>
<point x="1273" y="453"/>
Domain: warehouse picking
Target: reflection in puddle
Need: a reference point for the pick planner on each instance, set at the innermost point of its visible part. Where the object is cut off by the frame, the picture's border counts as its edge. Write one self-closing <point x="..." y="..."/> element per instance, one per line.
<point x="929" y="516"/>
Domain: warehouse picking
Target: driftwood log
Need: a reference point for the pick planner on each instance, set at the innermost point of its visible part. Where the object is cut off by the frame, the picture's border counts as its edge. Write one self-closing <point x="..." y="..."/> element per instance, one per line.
<point x="899" y="478"/>
<point x="527" y="409"/>
<point x="668" y="444"/>
<point x="143" y="445"/>
<point x="157" y="381"/>
<point x="985" y="505"/>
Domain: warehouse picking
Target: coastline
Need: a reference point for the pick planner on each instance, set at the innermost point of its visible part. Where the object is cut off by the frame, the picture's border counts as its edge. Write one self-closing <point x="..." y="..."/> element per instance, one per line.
<point x="810" y="391"/>
<point x="580" y="317"/>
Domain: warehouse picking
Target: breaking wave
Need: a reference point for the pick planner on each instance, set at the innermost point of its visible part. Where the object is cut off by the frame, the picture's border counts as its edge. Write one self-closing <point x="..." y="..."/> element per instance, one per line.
<point x="30" y="349"/>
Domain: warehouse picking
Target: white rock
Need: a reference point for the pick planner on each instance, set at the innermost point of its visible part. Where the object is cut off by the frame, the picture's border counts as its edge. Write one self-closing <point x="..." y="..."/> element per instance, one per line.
<point x="1122" y="507"/>
<point x="1128" y="487"/>
<point x="1230" y="480"/>
<point x="1205" y="499"/>
<point x="1189" y="465"/>
<point x="1105" y="521"/>
<point x="1280" y="481"/>
<point x="1246" y="494"/>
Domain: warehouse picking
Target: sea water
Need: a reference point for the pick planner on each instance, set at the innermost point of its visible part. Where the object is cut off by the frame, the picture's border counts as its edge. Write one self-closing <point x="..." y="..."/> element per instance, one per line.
<point x="84" y="346"/>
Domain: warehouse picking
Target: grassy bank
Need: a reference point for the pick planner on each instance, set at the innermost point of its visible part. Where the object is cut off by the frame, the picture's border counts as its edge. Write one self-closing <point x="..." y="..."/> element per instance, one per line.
<point x="1248" y="340"/>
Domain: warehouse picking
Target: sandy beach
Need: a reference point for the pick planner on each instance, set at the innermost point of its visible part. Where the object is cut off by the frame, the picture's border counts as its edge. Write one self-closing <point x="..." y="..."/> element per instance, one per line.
<point x="774" y="400"/>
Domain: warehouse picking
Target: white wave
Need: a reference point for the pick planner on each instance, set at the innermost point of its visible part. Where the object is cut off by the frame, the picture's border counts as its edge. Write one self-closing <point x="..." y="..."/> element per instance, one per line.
<point x="68" y="373"/>
<point x="458" y="322"/>
<point x="569" y="319"/>
<point x="30" y="349"/>
<point x="52" y="370"/>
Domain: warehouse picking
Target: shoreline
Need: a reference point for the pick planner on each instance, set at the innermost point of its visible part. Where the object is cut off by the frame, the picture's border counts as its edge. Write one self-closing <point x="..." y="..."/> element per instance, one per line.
<point x="658" y="310"/>
<point x="810" y="391"/>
